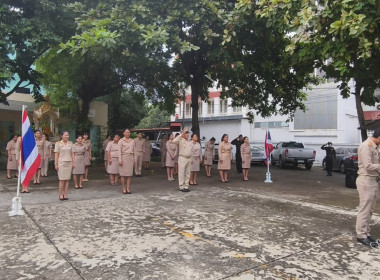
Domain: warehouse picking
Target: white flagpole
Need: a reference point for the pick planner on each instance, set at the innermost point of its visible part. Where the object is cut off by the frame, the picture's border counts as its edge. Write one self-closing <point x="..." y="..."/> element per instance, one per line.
<point x="16" y="201"/>
<point x="268" y="177"/>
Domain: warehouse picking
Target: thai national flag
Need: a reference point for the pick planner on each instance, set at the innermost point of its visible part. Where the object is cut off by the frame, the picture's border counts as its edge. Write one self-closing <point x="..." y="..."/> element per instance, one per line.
<point x="268" y="147"/>
<point x="29" y="152"/>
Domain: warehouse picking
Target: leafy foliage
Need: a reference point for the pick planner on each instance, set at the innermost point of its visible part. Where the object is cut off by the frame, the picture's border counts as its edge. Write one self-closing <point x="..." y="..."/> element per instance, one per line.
<point x="156" y="117"/>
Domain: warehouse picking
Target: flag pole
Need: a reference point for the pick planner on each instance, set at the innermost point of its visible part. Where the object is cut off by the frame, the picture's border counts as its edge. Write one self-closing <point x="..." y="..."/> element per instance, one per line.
<point x="268" y="176"/>
<point x="16" y="201"/>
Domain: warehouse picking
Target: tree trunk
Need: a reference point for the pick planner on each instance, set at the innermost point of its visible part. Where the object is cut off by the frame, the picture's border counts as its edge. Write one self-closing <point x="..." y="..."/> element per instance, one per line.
<point x="359" y="110"/>
<point x="83" y="124"/>
<point x="195" y="93"/>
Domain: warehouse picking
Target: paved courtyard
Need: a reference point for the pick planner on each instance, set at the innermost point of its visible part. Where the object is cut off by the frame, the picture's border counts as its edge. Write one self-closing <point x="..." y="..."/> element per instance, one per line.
<point x="299" y="227"/>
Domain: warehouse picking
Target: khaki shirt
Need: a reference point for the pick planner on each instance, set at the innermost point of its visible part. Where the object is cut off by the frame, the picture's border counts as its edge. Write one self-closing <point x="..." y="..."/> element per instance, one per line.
<point x="47" y="148"/>
<point x="11" y="146"/>
<point x="368" y="161"/>
<point x="18" y="148"/>
<point x="184" y="146"/>
<point x="64" y="150"/>
<point x="40" y="145"/>
<point x="113" y="149"/>
<point x="79" y="150"/>
<point x="139" y="145"/>
<point x="171" y="148"/>
<point x="126" y="147"/>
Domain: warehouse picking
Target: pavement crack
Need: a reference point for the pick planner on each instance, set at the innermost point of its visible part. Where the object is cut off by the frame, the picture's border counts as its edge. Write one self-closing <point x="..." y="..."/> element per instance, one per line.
<point x="77" y="270"/>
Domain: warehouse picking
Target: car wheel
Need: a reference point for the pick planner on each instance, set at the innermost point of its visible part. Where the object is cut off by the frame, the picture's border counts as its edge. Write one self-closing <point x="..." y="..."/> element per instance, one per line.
<point x="281" y="162"/>
<point x="342" y="168"/>
<point x="308" y="166"/>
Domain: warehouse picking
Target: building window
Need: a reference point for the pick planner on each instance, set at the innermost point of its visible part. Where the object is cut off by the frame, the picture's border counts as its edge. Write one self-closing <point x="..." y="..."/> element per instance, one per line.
<point x="236" y="109"/>
<point x="271" y="124"/>
<point x="223" y="106"/>
<point x="200" y="108"/>
<point x="210" y="107"/>
<point x="188" y="109"/>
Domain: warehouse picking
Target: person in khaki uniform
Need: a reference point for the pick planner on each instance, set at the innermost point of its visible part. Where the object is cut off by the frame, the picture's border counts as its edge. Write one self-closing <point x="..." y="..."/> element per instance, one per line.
<point x="147" y="152"/>
<point x="225" y="158"/>
<point x="139" y="152"/>
<point x="163" y="150"/>
<point x="246" y="157"/>
<point x="184" y="160"/>
<point x="79" y="149"/>
<point x="64" y="163"/>
<point x="40" y="143"/>
<point x="126" y="160"/>
<point x="12" y="157"/>
<point x="113" y="160"/>
<point x="171" y="153"/>
<point x="196" y="160"/>
<point x="47" y="155"/>
<point x="87" y="155"/>
<point x="368" y="186"/>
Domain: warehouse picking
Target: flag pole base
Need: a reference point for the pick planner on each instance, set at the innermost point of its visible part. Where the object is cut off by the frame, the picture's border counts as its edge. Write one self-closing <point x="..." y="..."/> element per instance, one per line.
<point x="16" y="207"/>
<point x="268" y="178"/>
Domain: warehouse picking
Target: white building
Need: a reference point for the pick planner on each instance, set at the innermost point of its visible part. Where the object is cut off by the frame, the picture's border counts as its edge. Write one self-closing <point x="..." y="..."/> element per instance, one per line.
<point x="329" y="118"/>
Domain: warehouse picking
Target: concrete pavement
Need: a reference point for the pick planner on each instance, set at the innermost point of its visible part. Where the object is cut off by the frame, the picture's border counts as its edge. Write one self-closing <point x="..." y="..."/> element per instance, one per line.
<point x="299" y="227"/>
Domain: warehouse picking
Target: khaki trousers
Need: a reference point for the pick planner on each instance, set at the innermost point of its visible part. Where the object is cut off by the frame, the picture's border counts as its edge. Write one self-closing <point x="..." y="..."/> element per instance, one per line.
<point x="138" y="159"/>
<point x="184" y="168"/>
<point x="45" y="163"/>
<point x="367" y="188"/>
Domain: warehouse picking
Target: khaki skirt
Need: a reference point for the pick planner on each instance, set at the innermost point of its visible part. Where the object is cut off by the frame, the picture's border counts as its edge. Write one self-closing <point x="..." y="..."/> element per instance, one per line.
<point x="247" y="161"/>
<point x="80" y="166"/>
<point x="195" y="164"/>
<point x="113" y="168"/>
<point x="12" y="164"/>
<point x="64" y="170"/>
<point x="126" y="169"/>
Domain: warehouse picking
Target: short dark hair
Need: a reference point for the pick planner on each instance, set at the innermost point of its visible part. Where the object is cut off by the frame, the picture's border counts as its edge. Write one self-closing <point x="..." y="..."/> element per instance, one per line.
<point x="376" y="133"/>
<point x="212" y="139"/>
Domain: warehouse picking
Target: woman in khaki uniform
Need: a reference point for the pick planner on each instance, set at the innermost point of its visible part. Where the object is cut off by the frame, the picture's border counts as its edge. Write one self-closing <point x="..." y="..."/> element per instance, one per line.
<point x="79" y="150"/>
<point x="225" y="157"/>
<point x="246" y="157"/>
<point x="105" y="144"/>
<point x="171" y="153"/>
<point x="113" y="160"/>
<point x="87" y="155"/>
<point x="126" y="160"/>
<point x="40" y="147"/>
<point x="196" y="159"/>
<point x="176" y="159"/>
<point x="147" y="152"/>
<point x="209" y="155"/>
<point x="47" y="155"/>
<point x="64" y="162"/>
<point x="163" y="150"/>
<point x="12" y="161"/>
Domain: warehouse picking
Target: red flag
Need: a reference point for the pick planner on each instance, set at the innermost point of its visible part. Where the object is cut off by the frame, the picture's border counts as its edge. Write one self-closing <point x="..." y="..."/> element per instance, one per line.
<point x="268" y="147"/>
<point x="30" y="158"/>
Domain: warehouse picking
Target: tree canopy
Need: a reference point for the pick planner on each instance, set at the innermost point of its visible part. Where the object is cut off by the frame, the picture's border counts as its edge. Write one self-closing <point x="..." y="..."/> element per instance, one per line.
<point x="339" y="37"/>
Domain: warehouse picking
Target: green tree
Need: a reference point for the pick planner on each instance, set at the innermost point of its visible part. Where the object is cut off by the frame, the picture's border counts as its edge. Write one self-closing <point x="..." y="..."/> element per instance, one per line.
<point x="125" y="110"/>
<point x="340" y="37"/>
<point x="29" y="29"/>
<point x="156" y="117"/>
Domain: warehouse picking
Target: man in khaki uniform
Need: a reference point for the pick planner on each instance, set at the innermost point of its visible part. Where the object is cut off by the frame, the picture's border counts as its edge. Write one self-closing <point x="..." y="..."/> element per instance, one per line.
<point x="139" y="151"/>
<point x="184" y="159"/>
<point x="367" y="185"/>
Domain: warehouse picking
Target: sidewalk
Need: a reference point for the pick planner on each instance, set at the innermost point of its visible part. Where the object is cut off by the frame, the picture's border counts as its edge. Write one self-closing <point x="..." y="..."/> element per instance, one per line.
<point x="299" y="227"/>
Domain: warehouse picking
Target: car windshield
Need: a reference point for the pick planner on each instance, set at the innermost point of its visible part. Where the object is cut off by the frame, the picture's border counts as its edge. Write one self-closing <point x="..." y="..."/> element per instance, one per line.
<point x="257" y="148"/>
<point x="293" y="145"/>
<point x="353" y="150"/>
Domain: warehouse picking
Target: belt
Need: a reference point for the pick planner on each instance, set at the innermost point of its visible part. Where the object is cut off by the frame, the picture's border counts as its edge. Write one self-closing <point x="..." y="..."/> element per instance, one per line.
<point x="377" y="178"/>
<point x="185" y="156"/>
<point x="128" y="154"/>
<point x="77" y="154"/>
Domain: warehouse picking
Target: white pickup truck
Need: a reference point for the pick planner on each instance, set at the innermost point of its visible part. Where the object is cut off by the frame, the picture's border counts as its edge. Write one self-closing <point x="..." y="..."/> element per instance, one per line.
<point x="294" y="153"/>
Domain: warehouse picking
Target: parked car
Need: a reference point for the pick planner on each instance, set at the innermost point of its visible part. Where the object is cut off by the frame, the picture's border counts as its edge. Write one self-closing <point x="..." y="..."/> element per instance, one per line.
<point x="258" y="154"/>
<point x="342" y="153"/>
<point x="351" y="168"/>
<point x="155" y="150"/>
<point x="294" y="153"/>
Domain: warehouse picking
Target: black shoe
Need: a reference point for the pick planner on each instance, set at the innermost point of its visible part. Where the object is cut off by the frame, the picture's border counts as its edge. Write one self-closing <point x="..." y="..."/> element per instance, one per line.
<point x="367" y="242"/>
<point x="371" y="239"/>
<point x="186" y="190"/>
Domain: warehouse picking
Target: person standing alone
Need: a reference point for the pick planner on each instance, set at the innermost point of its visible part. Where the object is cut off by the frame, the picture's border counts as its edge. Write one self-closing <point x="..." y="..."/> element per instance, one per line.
<point x="238" y="142"/>
<point x="368" y="186"/>
<point x="184" y="160"/>
<point x="330" y="155"/>
<point x="139" y="152"/>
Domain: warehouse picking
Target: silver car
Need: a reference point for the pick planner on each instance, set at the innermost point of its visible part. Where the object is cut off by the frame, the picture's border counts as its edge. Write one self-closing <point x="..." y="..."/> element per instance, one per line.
<point x="258" y="154"/>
